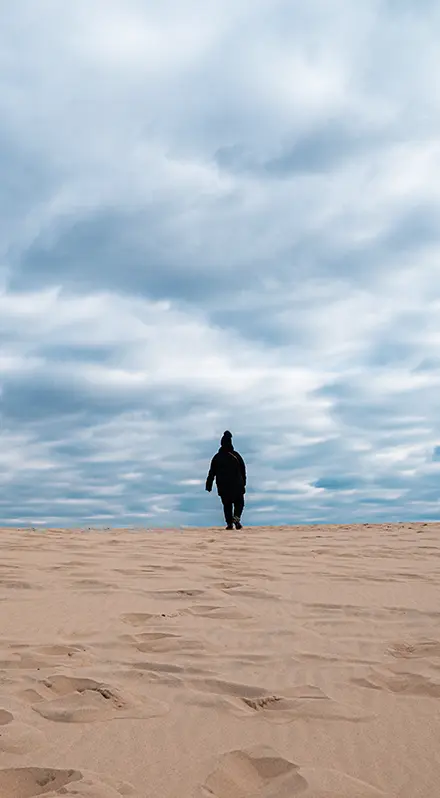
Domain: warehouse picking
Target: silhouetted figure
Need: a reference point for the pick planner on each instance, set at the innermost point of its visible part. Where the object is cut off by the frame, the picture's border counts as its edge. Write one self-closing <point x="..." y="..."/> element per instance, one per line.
<point x="229" y="471"/>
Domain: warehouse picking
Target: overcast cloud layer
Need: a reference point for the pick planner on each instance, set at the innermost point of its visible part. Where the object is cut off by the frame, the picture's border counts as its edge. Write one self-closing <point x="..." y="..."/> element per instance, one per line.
<point x="219" y="214"/>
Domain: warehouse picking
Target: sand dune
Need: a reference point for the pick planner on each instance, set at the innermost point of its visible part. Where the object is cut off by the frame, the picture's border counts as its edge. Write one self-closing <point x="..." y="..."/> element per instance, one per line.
<point x="269" y="663"/>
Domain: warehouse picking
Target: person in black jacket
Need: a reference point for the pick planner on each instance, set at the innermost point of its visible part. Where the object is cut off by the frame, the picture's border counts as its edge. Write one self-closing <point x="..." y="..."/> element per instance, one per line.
<point x="229" y="471"/>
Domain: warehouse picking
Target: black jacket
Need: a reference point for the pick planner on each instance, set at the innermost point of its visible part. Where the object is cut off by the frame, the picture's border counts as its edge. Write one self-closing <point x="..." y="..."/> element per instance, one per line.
<point x="229" y="471"/>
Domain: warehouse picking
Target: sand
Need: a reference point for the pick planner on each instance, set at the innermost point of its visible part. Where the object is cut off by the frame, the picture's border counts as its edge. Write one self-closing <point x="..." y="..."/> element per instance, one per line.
<point x="273" y="662"/>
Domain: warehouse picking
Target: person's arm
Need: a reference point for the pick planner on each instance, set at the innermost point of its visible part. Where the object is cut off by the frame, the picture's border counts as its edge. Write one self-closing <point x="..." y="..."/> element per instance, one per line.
<point x="211" y="474"/>
<point x="242" y="467"/>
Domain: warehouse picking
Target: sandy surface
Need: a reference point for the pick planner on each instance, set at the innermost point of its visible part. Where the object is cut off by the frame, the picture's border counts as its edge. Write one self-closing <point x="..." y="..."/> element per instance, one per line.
<point x="272" y="662"/>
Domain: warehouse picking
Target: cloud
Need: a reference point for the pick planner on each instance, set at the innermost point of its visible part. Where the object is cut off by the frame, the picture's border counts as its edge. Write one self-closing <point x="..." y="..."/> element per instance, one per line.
<point x="218" y="216"/>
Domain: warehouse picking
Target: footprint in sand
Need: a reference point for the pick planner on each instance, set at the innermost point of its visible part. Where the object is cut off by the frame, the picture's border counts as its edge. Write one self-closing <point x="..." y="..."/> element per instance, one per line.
<point x="141" y="675"/>
<point x="177" y="594"/>
<point x="92" y="585"/>
<point x="261" y="773"/>
<point x="27" y="657"/>
<point x="257" y="772"/>
<point x="429" y="648"/>
<point x="257" y="575"/>
<point x="240" y="659"/>
<point x="57" y="650"/>
<point x="18" y="661"/>
<point x="248" y="592"/>
<point x="406" y="684"/>
<point x="163" y="642"/>
<point x="29" y="782"/>
<point x="16" y="737"/>
<point x="217" y="613"/>
<point x="159" y="569"/>
<point x="226" y="586"/>
<point x="71" y="700"/>
<point x="16" y="584"/>
<point x="166" y="669"/>
<point x="138" y="618"/>
<point x="297" y="703"/>
<point x="146" y="618"/>
<point x="54" y="653"/>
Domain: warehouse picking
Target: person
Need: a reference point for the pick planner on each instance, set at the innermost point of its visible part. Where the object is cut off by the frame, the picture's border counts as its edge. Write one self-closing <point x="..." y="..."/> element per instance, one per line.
<point x="229" y="471"/>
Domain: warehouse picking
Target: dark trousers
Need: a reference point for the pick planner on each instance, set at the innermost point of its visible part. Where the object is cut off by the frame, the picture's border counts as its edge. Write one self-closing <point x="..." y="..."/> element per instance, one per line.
<point x="232" y="506"/>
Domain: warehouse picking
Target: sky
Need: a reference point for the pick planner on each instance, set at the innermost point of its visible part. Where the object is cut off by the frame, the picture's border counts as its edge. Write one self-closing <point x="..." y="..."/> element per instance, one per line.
<point x="219" y="214"/>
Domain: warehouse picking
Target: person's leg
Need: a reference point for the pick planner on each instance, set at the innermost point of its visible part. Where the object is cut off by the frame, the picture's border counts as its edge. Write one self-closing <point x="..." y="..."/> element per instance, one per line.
<point x="227" y="508"/>
<point x="238" y="510"/>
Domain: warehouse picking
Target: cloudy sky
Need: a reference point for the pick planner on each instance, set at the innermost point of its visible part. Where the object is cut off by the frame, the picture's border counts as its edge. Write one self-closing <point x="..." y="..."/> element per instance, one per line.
<point x="219" y="214"/>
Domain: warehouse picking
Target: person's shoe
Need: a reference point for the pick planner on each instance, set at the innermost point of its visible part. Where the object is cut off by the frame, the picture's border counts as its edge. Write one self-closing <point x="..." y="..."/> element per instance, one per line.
<point x="230" y="526"/>
<point x="237" y="522"/>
